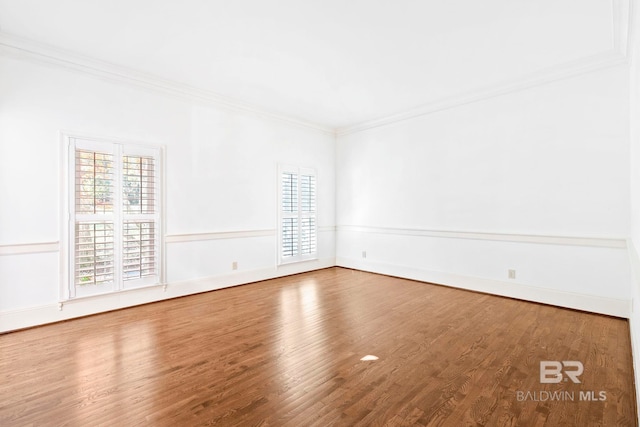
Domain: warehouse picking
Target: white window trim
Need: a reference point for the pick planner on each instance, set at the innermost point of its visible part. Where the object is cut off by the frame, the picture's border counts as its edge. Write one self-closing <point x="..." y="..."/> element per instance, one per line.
<point x="300" y="257"/>
<point x="70" y="141"/>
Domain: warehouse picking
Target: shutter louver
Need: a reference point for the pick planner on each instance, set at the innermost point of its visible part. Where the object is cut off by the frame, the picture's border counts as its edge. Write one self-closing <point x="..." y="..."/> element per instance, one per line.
<point x="94" y="182"/>
<point x="289" y="237"/>
<point x="289" y="193"/>
<point x="94" y="260"/>
<point x="308" y="193"/>
<point x="308" y="240"/>
<point x="139" y="253"/>
<point x="138" y="185"/>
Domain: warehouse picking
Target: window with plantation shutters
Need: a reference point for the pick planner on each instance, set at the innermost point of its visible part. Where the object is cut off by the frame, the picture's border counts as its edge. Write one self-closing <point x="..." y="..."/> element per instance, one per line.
<point x="114" y="217"/>
<point x="297" y="219"/>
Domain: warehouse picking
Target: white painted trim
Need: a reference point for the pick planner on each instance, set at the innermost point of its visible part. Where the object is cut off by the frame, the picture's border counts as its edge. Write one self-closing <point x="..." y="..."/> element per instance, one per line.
<point x="619" y="25"/>
<point x="66" y="160"/>
<point x="217" y="235"/>
<point x="66" y="135"/>
<point x="552" y="74"/>
<point x="632" y="28"/>
<point x="585" y="302"/>
<point x="163" y="212"/>
<point x="29" y="248"/>
<point x="623" y="23"/>
<point x="634" y="330"/>
<point x="40" y="247"/>
<point x="623" y="27"/>
<point x="634" y="319"/>
<point x="596" y="242"/>
<point x="24" y="48"/>
<point x="33" y="316"/>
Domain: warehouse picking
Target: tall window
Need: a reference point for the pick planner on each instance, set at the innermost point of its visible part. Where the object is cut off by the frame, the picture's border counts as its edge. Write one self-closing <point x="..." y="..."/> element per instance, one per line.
<point x="297" y="228"/>
<point x="114" y="217"/>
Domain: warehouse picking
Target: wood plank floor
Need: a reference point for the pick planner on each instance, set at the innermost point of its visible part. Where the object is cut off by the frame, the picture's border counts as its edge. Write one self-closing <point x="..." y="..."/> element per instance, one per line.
<point x="287" y="352"/>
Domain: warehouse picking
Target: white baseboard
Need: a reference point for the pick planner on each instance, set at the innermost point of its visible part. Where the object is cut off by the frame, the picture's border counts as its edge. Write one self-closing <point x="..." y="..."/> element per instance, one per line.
<point x="34" y="316"/>
<point x="634" y="330"/>
<point x="591" y="303"/>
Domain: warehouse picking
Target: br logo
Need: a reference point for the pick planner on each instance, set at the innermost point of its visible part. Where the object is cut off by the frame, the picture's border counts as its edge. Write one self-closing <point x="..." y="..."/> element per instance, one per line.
<point x="551" y="371"/>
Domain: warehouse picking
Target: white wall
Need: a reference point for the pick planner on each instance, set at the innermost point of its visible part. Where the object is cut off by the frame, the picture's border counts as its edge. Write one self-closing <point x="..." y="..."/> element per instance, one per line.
<point x="537" y="181"/>
<point x="634" y="99"/>
<point x="635" y="197"/>
<point x="455" y="196"/>
<point x="220" y="175"/>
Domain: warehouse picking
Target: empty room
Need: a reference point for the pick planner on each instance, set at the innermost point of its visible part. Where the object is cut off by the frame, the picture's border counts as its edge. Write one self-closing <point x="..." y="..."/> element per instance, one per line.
<point x="319" y="213"/>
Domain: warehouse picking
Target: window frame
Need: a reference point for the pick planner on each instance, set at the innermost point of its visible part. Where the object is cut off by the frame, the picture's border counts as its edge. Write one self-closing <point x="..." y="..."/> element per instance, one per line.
<point x="299" y="215"/>
<point x="72" y="142"/>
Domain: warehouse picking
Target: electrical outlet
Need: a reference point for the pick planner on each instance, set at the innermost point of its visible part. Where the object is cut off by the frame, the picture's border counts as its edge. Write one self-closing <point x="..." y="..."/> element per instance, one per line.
<point x="512" y="274"/>
<point x="364" y="254"/>
<point x="234" y="265"/>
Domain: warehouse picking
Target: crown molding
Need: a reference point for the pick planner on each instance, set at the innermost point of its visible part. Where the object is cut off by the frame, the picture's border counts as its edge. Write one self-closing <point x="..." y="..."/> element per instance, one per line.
<point x="623" y="24"/>
<point x="632" y="28"/>
<point x="11" y="45"/>
<point x="620" y="21"/>
<point x="623" y="41"/>
<point x="625" y="16"/>
<point x="567" y="70"/>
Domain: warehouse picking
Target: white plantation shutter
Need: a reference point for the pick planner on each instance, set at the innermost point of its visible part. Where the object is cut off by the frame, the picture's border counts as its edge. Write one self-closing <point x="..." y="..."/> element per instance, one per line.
<point x="289" y="221"/>
<point x="139" y="231"/>
<point x="307" y="214"/>
<point x="115" y="213"/>
<point x="94" y="240"/>
<point x="297" y="224"/>
<point x="94" y="177"/>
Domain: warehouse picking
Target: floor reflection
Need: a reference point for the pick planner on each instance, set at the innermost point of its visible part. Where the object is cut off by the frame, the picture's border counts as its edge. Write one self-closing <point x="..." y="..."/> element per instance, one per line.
<point x="110" y="361"/>
<point x="303" y="334"/>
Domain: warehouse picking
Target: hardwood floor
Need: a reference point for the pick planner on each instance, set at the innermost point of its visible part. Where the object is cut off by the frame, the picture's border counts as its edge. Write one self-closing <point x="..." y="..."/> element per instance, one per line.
<point x="287" y="352"/>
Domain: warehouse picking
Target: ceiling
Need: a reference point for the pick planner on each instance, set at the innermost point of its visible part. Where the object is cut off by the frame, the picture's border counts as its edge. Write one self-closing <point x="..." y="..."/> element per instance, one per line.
<point x="333" y="63"/>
